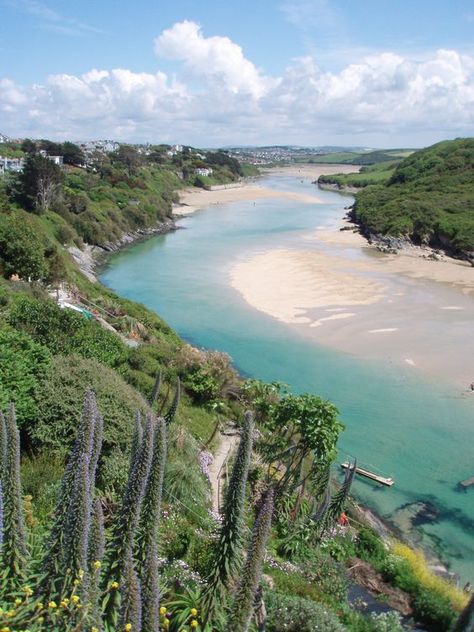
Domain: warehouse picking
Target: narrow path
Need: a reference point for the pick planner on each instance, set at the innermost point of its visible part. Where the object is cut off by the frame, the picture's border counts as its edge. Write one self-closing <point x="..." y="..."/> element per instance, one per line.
<point x="227" y="442"/>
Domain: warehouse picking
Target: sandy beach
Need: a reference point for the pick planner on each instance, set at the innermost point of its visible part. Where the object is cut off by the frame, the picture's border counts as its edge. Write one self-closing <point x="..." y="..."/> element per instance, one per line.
<point x="193" y="199"/>
<point x="347" y="295"/>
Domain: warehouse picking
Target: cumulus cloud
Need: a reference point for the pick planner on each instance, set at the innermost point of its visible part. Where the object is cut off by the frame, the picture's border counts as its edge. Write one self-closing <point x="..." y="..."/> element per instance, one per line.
<point x="216" y="59"/>
<point x="218" y="96"/>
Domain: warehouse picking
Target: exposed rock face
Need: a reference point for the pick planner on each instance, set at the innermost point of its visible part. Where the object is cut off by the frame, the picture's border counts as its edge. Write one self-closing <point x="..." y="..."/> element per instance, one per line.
<point x="89" y="256"/>
<point x="140" y="233"/>
<point x="365" y="575"/>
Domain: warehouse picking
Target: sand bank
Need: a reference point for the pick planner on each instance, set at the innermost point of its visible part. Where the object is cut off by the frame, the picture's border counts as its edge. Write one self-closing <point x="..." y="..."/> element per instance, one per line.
<point x="412" y="262"/>
<point x="400" y="308"/>
<point x="193" y="199"/>
<point x="309" y="171"/>
<point x="287" y="283"/>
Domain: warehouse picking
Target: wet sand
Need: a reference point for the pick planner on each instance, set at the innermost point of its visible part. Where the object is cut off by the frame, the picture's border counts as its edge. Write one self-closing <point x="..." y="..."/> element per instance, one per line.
<point x="347" y="295"/>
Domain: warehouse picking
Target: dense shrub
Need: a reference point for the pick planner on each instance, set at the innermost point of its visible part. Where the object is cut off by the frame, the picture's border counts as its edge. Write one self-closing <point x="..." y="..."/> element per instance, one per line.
<point x="59" y="401"/>
<point x="21" y="250"/>
<point x="23" y="363"/>
<point x="294" y="614"/>
<point x="369" y="547"/>
<point x="64" y="331"/>
<point x="433" y="610"/>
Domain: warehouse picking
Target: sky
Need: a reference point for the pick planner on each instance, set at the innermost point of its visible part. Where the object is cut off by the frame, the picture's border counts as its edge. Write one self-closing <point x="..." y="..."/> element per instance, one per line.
<point x="375" y="73"/>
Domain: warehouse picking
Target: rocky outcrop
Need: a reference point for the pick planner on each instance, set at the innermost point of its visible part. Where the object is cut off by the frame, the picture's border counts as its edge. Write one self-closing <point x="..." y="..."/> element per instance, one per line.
<point x="365" y="575"/>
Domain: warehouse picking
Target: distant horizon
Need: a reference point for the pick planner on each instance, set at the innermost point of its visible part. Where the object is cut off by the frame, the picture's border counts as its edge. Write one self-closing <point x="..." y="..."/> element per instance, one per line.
<point x="331" y="148"/>
<point x="312" y="72"/>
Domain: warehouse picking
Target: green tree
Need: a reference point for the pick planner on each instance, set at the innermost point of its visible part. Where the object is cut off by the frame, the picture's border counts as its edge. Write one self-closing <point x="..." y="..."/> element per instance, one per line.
<point x="40" y="183"/>
<point x="72" y="154"/>
<point x="299" y="435"/>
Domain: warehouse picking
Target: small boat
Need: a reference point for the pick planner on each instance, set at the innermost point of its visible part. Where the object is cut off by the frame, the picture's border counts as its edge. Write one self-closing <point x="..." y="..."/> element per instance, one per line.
<point x="384" y="480"/>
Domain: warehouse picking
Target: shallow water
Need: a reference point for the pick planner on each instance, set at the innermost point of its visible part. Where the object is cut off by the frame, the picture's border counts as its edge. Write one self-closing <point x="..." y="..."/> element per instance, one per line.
<point x="398" y="422"/>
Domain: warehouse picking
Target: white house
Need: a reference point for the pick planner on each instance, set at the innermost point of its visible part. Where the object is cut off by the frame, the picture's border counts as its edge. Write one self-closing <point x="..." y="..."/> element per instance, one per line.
<point x="13" y="165"/>
<point x="203" y="171"/>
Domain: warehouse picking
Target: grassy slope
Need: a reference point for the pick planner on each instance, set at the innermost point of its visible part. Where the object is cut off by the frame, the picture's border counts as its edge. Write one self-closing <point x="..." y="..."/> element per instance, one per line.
<point x="429" y="199"/>
<point x="372" y="174"/>
<point x="361" y="158"/>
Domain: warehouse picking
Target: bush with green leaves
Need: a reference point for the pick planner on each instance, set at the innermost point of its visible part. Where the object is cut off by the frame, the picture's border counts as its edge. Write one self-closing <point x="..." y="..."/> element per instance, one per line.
<point x="65" y="331"/>
<point x="433" y="610"/>
<point x="295" y="614"/>
<point x="23" y="364"/>
<point x="59" y="404"/>
<point x="21" y="250"/>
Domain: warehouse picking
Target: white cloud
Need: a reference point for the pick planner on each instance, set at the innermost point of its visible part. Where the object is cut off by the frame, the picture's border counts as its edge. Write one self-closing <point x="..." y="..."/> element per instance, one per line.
<point x="218" y="96"/>
<point x="216" y="59"/>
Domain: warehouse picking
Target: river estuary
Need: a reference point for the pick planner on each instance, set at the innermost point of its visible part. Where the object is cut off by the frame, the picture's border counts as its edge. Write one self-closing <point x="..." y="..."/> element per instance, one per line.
<point x="401" y="420"/>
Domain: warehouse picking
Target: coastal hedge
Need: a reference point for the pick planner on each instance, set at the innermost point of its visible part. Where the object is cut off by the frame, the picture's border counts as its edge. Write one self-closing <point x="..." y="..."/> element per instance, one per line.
<point x="59" y="401"/>
<point x="23" y="364"/>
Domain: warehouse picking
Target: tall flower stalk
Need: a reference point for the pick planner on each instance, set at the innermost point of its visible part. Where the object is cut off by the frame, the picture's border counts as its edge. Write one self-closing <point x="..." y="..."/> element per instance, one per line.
<point x="121" y="545"/>
<point x="87" y="446"/>
<point x="227" y="557"/>
<point x="14" y="550"/>
<point x="150" y="515"/>
<point x="243" y="606"/>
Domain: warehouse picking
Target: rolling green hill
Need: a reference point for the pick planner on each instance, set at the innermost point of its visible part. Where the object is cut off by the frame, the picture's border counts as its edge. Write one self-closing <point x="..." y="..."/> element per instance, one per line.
<point x="429" y="199"/>
<point x="361" y="158"/>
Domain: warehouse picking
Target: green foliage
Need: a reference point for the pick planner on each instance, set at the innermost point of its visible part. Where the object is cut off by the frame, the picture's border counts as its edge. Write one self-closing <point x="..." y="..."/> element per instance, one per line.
<point x="299" y="437"/>
<point x="40" y="183"/>
<point x="433" y="610"/>
<point x="23" y="364"/>
<point x="64" y="331"/>
<point x="21" y="250"/>
<point x="429" y="198"/>
<point x="370" y="548"/>
<point x="59" y="401"/>
<point x="373" y="174"/>
<point x="295" y="614"/>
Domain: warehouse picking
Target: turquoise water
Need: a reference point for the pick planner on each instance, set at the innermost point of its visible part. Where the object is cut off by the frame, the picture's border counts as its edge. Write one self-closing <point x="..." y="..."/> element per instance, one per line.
<point x="397" y="422"/>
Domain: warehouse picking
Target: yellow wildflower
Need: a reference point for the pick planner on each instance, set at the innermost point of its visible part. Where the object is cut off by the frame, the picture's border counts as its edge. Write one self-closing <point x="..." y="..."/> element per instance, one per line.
<point x="80" y="573"/>
<point x="18" y="601"/>
<point x="97" y="565"/>
<point x="5" y="629"/>
<point x="128" y="627"/>
<point x="52" y="604"/>
<point x="39" y="605"/>
<point x="10" y="614"/>
<point x="64" y="603"/>
<point x="75" y="599"/>
<point x="40" y="619"/>
<point x="114" y="585"/>
<point x="194" y="612"/>
<point x="94" y="629"/>
<point x="194" y="623"/>
<point x="76" y="582"/>
<point x="162" y="610"/>
<point x="28" y="592"/>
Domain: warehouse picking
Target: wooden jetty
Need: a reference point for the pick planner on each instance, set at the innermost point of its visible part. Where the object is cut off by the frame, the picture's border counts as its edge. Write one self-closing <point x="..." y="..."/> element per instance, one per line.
<point x="469" y="482"/>
<point x="384" y="480"/>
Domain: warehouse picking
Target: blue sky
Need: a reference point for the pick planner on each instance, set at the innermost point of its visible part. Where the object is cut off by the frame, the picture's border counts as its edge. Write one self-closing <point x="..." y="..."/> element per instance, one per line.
<point x="303" y="71"/>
